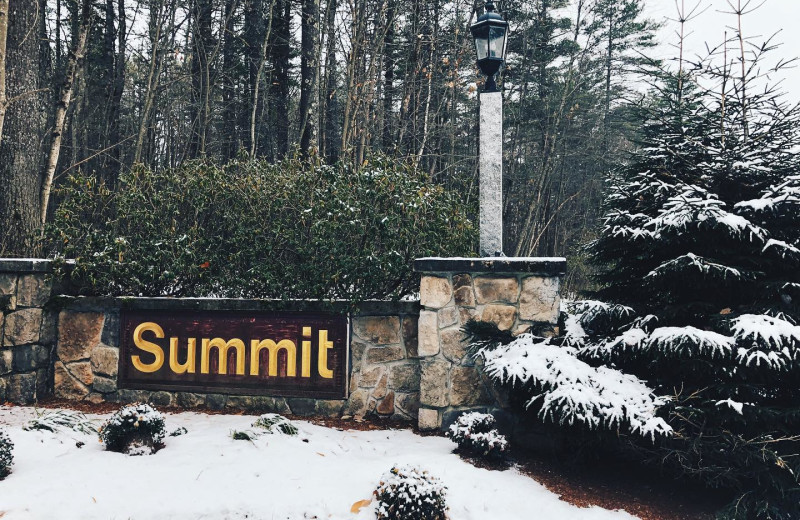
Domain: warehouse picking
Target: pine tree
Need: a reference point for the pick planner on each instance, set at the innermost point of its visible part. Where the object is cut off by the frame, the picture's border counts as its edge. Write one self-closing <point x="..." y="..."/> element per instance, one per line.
<point x="700" y="240"/>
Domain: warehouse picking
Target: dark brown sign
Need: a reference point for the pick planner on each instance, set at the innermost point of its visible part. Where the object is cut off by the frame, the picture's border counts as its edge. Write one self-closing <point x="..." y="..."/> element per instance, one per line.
<point x="255" y="353"/>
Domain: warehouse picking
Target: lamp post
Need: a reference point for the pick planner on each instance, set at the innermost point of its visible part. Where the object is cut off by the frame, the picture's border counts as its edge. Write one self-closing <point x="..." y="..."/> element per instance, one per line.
<point x="489" y="33"/>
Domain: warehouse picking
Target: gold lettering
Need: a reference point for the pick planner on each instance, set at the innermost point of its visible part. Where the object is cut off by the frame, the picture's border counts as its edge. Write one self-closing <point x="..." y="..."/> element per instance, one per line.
<point x="322" y="362"/>
<point x="222" y="354"/>
<point x="191" y="356"/>
<point x="291" y="356"/>
<point x="148" y="346"/>
<point x="306" y="369"/>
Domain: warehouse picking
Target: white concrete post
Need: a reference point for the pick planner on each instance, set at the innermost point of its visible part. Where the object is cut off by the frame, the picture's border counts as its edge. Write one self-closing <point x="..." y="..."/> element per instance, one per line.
<point x="491" y="173"/>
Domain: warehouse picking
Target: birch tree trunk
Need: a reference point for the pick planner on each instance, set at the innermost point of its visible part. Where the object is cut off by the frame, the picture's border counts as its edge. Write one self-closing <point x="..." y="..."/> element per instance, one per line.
<point x="74" y="64"/>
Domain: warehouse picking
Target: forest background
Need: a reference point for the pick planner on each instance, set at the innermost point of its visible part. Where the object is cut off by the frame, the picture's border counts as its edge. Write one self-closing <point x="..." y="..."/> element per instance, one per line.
<point x="101" y="85"/>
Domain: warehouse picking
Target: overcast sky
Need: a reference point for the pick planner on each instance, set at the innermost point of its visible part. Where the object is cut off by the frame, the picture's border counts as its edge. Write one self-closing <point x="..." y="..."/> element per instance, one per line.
<point x="774" y="16"/>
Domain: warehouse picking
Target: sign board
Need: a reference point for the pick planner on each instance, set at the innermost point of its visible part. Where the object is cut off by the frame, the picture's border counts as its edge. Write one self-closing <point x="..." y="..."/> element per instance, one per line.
<point x="289" y="354"/>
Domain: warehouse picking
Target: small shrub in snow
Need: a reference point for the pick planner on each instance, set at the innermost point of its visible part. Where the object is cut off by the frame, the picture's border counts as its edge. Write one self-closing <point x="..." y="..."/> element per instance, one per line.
<point x="274" y="423"/>
<point x="177" y="432"/>
<point x="408" y="493"/>
<point x="137" y="429"/>
<point x="245" y="435"/>
<point x="6" y="458"/>
<point x="53" y="421"/>
<point x="475" y="434"/>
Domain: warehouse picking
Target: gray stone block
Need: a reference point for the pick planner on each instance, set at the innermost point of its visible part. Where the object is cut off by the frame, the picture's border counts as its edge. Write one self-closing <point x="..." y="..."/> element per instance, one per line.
<point x="216" y="401"/>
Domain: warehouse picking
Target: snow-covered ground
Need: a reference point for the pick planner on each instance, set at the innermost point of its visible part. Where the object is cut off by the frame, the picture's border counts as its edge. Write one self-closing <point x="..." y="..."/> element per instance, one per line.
<point x="206" y="474"/>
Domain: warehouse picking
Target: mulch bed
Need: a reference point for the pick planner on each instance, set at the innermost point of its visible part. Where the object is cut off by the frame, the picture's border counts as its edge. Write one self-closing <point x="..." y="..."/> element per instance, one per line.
<point x="640" y="492"/>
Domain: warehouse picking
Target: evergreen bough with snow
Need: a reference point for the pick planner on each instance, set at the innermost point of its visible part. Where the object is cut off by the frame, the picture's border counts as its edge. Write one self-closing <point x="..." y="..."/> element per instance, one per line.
<point x="136" y="429"/>
<point x="700" y="256"/>
<point x="275" y="423"/>
<point x="409" y="493"/>
<point x="6" y="457"/>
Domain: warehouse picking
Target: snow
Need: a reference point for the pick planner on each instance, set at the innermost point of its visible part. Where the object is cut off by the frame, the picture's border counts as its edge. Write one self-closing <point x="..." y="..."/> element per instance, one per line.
<point x="690" y="260"/>
<point x="734" y="405"/>
<point x="690" y="342"/>
<point x="574" y="392"/>
<point x="765" y="330"/>
<point x="205" y="474"/>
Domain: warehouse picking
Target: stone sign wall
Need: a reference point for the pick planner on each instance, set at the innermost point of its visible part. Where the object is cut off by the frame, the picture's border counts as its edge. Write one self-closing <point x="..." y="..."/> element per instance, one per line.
<point x="516" y="294"/>
<point x="406" y="362"/>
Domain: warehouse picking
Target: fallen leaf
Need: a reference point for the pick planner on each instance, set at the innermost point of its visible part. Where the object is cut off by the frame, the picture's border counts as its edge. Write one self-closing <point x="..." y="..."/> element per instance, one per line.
<point x="358" y="506"/>
<point x="725" y="311"/>
<point x="320" y="454"/>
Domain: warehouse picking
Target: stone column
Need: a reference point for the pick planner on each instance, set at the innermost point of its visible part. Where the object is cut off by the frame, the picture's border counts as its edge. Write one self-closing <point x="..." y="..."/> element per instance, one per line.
<point x="519" y="295"/>
<point x="491" y="173"/>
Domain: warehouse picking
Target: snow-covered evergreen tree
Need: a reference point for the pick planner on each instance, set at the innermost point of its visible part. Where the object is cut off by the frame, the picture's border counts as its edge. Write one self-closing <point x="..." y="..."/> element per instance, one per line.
<point x="701" y="246"/>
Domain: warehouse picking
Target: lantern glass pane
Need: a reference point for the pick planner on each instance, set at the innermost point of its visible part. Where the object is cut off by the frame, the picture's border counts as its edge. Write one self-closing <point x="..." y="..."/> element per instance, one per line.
<point x="482" y="47"/>
<point x="497" y="38"/>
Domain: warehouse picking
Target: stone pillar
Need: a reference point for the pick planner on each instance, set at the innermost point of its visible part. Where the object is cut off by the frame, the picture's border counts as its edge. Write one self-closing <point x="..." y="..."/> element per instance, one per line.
<point x="490" y="159"/>
<point x="519" y="295"/>
<point x="26" y="330"/>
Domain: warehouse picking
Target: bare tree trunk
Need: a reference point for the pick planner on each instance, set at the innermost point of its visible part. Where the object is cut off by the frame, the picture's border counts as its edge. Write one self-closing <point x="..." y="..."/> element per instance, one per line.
<point x="153" y="74"/>
<point x="3" y="40"/>
<point x="257" y="82"/>
<point x="20" y="150"/>
<point x="309" y="77"/>
<point x="74" y="63"/>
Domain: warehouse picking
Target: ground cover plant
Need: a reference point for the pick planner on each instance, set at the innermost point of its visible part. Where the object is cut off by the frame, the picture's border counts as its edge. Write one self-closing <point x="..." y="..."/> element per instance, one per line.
<point x="475" y="434"/>
<point x="296" y="229"/>
<point x="409" y="493"/>
<point x="136" y="429"/>
<point x="54" y="420"/>
<point x="6" y="455"/>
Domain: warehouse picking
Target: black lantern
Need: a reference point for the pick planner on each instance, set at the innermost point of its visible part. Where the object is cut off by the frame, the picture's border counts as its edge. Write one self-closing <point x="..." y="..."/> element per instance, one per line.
<point x="489" y="33"/>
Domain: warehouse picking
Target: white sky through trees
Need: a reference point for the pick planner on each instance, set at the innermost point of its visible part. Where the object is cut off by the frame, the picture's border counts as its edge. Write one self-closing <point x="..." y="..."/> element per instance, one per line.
<point x="779" y="19"/>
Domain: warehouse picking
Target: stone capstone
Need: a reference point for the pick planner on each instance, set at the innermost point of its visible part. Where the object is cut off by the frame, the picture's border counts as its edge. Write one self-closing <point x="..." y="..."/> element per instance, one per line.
<point x="489" y="289"/>
<point x="435" y="291"/>
<point x="105" y="360"/>
<point x="22" y="327"/>
<point x="78" y="334"/>
<point x="428" y="334"/>
<point x="433" y="384"/>
<point x="66" y="385"/>
<point x="539" y="300"/>
<point x="380" y="330"/>
<point x="501" y="315"/>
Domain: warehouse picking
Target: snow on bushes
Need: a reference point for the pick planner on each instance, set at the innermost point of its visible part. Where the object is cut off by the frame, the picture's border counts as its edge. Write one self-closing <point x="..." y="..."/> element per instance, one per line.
<point x="137" y="429"/>
<point x="568" y="391"/>
<point x="408" y="493"/>
<point x="6" y="457"/>
<point x="475" y="434"/>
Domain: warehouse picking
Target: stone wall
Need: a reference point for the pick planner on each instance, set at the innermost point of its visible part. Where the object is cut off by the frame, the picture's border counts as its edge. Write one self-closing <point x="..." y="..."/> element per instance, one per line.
<point x="516" y="294"/>
<point x="384" y="376"/>
<point x="27" y="329"/>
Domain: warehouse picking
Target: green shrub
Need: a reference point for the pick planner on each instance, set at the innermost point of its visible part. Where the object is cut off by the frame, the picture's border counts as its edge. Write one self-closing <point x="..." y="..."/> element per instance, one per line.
<point x="54" y="420"/>
<point x="408" y="493"/>
<point x="137" y="429"/>
<point x="296" y="229"/>
<point x="6" y="457"/>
